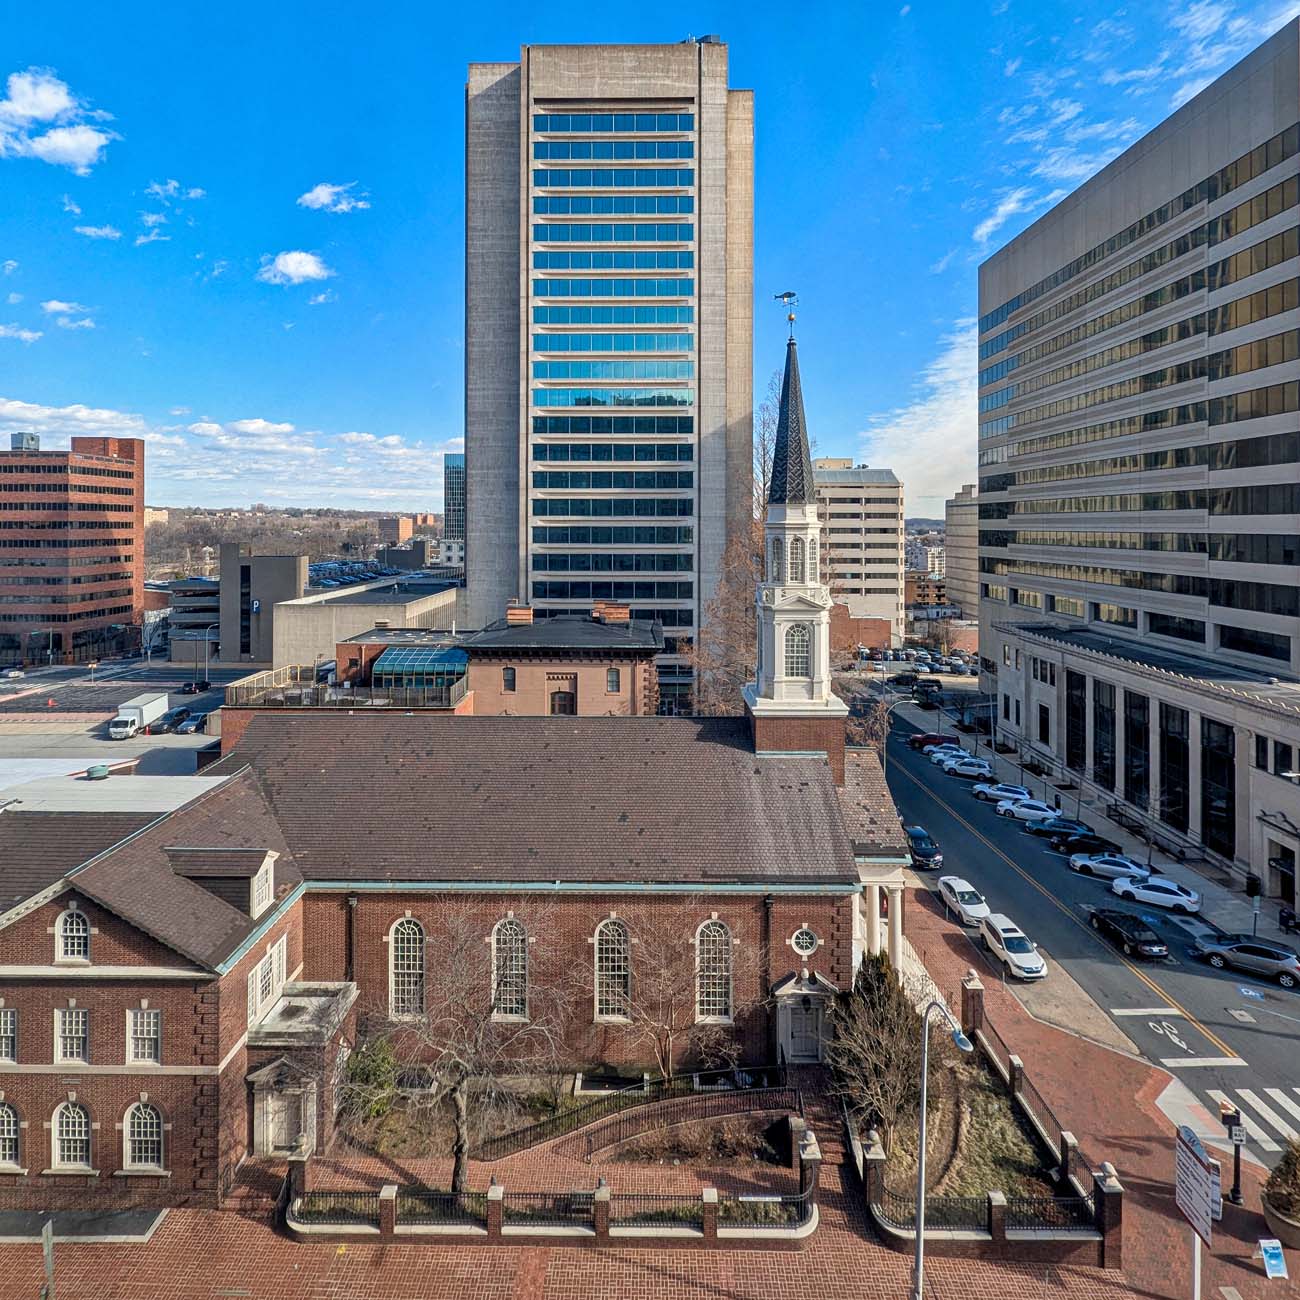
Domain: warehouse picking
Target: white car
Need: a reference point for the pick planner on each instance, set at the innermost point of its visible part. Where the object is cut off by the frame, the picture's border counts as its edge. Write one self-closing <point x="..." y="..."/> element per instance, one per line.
<point x="1000" y="793"/>
<point x="964" y="899"/>
<point x="1026" y="810"/>
<point x="956" y="760"/>
<point x="1012" y="947"/>
<point x="937" y="756"/>
<point x="969" y="769"/>
<point x="15" y="672"/>
<point x="1159" y="891"/>
<point x="940" y="744"/>
<point x="1112" y="865"/>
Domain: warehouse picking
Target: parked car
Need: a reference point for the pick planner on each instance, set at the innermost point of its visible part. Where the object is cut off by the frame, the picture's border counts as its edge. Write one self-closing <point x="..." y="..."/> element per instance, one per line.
<point x="903" y="680"/>
<point x="1012" y="947"/>
<point x="969" y="769"/>
<point x="1025" y="810"/>
<point x="1110" y="865"/>
<point x="1058" y="826"/>
<point x="15" y="672"/>
<point x="930" y="739"/>
<point x="196" y="688"/>
<point x="1259" y="956"/>
<point x="170" y="721"/>
<point x="999" y="793"/>
<point x="964" y="899"/>
<point x="1158" y="891"/>
<point x="972" y="670"/>
<point x="1088" y="842"/>
<point x="940" y="753"/>
<point x="925" y="852"/>
<point x="194" y="723"/>
<point x="1129" y="933"/>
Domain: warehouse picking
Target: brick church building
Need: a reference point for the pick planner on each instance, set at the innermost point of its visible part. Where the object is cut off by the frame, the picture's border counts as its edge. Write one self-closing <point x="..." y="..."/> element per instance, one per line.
<point x="180" y="994"/>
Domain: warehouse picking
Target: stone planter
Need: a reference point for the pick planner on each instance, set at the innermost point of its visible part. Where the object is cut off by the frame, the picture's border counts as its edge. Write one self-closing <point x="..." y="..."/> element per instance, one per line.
<point x="1286" y="1230"/>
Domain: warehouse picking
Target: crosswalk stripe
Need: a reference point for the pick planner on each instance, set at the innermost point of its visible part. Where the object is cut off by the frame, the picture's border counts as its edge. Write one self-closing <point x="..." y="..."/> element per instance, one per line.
<point x="1249" y="1096"/>
<point x="1257" y="1134"/>
<point x="1284" y="1101"/>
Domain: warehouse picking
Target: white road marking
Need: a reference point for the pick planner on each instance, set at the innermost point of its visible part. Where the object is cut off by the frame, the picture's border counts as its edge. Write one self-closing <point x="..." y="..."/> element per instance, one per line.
<point x="1174" y="1061"/>
<point x="1251" y="1098"/>
<point x="1257" y="1133"/>
<point x="1145" y="1011"/>
<point x="1284" y="1101"/>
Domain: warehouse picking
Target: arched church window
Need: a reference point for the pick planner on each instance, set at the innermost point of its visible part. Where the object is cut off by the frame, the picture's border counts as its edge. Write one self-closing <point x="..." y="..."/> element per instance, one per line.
<point x="796" y="559"/>
<point x="798" y="651"/>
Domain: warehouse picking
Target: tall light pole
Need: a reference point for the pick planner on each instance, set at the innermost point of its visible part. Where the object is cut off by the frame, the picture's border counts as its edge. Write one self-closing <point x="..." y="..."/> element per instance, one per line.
<point x="918" y="1277"/>
<point x="206" y="645"/>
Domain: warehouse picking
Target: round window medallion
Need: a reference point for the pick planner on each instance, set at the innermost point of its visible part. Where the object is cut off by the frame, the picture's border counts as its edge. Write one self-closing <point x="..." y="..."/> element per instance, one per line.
<point x="804" y="942"/>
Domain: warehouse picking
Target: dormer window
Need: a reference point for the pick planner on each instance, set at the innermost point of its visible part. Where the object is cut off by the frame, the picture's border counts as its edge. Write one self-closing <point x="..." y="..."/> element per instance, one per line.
<point x="263" y="889"/>
<point x="73" y="937"/>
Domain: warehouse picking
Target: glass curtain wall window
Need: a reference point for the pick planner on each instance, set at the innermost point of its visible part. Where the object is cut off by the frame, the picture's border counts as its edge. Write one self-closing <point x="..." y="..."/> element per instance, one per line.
<point x="1218" y="788"/>
<point x="613" y="971"/>
<point x="713" y="972"/>
<point x="1137" y="749"/>
<point x="510" y="970"/>
<point x="1175" y="767"/>
<point x="406" y="958"/>
<point x="1103" y="734"/>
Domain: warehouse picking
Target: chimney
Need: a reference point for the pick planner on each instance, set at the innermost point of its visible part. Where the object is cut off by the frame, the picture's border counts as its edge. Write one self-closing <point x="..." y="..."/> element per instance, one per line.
<point x="517" y="614"/>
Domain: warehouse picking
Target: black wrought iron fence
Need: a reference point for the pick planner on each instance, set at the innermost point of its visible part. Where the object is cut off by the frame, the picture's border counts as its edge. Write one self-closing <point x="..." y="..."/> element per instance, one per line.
<point x="553" y="1209"/>
<point x="654" y="1209"/>
<point x="1050" y="1213"/>
<point x="428" y="1205"/>
<point x="788" y="1211"/>
<point x="338" y="1208"/>
<point x="968" y="1213"/>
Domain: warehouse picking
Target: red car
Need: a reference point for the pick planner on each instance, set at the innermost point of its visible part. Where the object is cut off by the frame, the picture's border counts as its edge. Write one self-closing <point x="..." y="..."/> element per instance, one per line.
<point x="924" y="738"/>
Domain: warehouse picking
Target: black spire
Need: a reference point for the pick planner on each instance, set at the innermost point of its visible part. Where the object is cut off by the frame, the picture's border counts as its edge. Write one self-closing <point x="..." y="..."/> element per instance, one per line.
<point x="792" y="475"/>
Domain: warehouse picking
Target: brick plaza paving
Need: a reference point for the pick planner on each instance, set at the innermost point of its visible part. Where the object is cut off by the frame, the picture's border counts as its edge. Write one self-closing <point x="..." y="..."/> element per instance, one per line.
<point x="1106" y="1098"/>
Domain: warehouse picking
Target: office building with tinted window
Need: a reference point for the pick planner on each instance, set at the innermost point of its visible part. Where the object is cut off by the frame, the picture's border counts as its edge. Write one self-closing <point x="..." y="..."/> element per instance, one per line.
<point x="1139" y="493"/>
<point x="609" y="287"/>
<point x="453" y="496"/>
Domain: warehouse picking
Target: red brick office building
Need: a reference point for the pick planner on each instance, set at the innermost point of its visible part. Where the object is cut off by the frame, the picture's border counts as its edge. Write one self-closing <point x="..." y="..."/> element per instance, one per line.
<point x="71" y="549"/>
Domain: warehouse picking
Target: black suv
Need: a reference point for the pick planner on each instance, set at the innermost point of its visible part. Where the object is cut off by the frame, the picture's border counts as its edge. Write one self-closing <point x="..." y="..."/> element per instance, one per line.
<point x="169" y="721"/>
<point x="925" y="852"/>
<point x="1129" y="933"/>
<point x="1089" y="843"/>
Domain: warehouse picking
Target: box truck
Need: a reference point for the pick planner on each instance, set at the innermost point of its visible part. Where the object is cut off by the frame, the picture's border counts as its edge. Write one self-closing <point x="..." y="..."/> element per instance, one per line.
<point x="136" y="714"/>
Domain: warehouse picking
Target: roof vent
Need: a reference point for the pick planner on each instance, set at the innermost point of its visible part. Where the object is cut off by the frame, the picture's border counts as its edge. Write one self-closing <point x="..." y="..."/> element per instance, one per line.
<point x="97" y="773"/>
<point x="382" y="622"/>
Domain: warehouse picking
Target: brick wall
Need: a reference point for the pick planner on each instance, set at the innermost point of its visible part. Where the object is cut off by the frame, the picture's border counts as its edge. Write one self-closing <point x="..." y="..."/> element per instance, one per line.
<point x="802" y="735"/>
<point x="847" y="632"/>
<point x="536" y="678"/>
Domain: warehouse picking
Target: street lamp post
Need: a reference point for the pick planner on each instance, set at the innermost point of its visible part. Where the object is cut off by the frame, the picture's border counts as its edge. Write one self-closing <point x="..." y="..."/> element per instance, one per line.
<point x="964" y="1043"/>
<point x="206" y="645"/>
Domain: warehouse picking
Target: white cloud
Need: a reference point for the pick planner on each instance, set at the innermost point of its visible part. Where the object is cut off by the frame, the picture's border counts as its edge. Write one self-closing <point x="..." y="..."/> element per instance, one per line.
<point x="320" y="299"/>
<point x="939" y="267"/>
<point x="334" y="198"/>
<point x="67" y="323"/>
<point x="1011" y="67"/>
<point x="57" y="307"/>
<point x="1014" y="201"/>
<point x="16" y="332"/>
<point x="179" y="410"/>
<point x="153" y="237"/>
<point x="930" y="442"/>
<point x="70" y="206"/>
<point x="293" y="268"/>
<point x="41" y="118"/>
<point x="258" y="437"/>
<point x="165" y="191"/>
<point x="9" y="266"/>
<point x="99" y="232"/>
<point x="62" y="420"/>
<point x="154" y="218"/>
<point x="14" y="299"/>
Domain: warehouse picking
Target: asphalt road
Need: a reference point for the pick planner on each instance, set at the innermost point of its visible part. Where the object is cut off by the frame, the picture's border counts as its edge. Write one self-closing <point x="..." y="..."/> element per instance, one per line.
<point x="1222" y="1034"/>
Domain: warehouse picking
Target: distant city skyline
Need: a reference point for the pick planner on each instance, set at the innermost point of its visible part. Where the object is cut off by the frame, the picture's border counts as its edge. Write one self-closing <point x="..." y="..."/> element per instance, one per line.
<point x="268" y="287"/>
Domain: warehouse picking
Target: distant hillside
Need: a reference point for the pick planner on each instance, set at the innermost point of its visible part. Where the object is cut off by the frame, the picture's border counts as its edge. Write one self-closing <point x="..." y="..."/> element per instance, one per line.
<point x="923" y="523"/>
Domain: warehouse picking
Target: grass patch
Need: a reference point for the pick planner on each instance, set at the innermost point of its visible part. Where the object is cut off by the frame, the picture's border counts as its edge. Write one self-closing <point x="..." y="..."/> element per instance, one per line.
<point x="735" y="1142"/>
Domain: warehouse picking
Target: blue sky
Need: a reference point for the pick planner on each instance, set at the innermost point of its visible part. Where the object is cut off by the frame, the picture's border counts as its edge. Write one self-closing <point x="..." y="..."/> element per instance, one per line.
<point x="242" y="239"/>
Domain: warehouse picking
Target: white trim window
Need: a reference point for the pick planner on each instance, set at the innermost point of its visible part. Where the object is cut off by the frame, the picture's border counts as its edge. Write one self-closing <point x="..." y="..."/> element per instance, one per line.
<point x="796" y="559"/>
<point x="8" y="1136"/>
<point x="73" y="933"/>
<point x="777" y="573"/>
<point x="71" y="1141"/>
<point x="144" y="1036"/>
<point x="406" y="969"/>
<point x="798" y="651"/>
<point x="142" y="1137"/>
<point x="8" y="1034"/>
<point x="266" y="980"/>
<point x="509" y="970"/>
<point x="713" y="972"/>
<point x="71" y="1034"/>
<point x="613" y="959"/>
<point x="262" y="889"/>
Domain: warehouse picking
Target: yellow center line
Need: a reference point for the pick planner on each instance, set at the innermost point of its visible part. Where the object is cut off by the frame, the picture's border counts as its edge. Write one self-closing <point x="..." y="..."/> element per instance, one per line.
<point x="1061" y="907"/>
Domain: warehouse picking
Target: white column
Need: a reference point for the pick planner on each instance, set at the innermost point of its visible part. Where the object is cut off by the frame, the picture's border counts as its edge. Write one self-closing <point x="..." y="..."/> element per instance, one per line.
<point x="896" y="926"/>
<point x="871" y="899"/>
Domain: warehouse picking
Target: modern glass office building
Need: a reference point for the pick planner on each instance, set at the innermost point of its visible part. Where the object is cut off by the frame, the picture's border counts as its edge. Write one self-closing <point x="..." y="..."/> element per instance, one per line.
<point x="1139" y="493"/>
<point x="453" y="495"/>
<point x="608" y="329"/>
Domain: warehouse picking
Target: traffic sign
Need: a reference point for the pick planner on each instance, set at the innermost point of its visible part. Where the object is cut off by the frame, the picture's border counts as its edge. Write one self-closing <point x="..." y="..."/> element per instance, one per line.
<point x="1194" y="1183"/>
<point x="1237" y="1134"/>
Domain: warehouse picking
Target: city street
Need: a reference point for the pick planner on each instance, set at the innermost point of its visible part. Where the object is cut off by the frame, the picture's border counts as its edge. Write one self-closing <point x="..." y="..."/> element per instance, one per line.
<point x="1224" y="1035"/>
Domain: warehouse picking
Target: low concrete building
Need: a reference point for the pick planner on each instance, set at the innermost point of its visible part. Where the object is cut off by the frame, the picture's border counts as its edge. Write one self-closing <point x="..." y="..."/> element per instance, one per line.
<point x="194" y="619"/>
<point x="251" y="587"/>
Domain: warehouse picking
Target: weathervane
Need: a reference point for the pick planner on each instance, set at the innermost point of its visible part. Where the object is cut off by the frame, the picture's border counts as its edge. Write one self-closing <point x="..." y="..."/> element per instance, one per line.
<point x="791" y="299"/>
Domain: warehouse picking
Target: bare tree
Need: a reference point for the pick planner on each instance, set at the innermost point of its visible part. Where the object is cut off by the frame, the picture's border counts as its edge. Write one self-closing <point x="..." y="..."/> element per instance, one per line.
<point x="480" y="1008"/>
<point x="723" y="651"/>
<point x="765" y="419"/>
<point x="875" y="1050"/>
<point x="944" y="635"/>
<point x="674" y="958"/>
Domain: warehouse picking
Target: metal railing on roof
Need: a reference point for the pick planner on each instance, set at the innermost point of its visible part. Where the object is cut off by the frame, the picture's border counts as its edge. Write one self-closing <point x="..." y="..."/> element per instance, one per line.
<point x="295" y="687"/>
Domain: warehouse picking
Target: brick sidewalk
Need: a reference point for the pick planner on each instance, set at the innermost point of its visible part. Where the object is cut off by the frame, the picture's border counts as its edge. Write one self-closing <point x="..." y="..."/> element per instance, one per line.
<point x="1108" y="1101"/>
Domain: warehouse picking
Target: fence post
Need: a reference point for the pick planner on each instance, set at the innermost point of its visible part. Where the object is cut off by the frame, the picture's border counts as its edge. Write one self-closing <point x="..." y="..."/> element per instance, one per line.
<point x="388" y="1211"/>
<point x="495" y="1208"/>
<point x="1016" y="1072"/>
<point x="299" y="1176"/>
<point x="1069" y="1154"/>
<point x="798" y="1127"/>
<point x="600" y="1214"/>
<point x="1108" y="1205"/>
<point x="972" y="1004"/>
<point x="873" y="1168"/>
<point x="997" y="1216"/>
<point x="810" y="1162"/>
<point x="710" y="1216"/>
